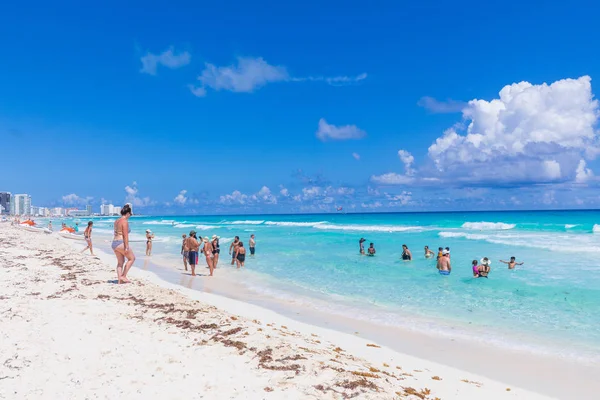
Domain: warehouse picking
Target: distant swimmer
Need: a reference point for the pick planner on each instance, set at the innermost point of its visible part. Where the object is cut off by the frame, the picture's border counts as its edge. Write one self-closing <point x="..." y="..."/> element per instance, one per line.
<point x="361" y="246"/>
<point x="252" y="244"/>
<point x="193" y="246"/>
<point x="149" y="237"/>
<point x="232" y="248"/>
<point x="216" y="250"/>
<point x="240" y="254"/>
<point x="428" y="253"/>
<point x="184" y="250"/>
<point x="482" y="271"/>
<point x="88" y="237"/>
<point x="443" y="264"/>
<point x="512" y="263"/>
<point x="440" y="252"/>
<point x="120" y="244"/>
<point x="406" y="254"/>
<point x="371" y="250"/>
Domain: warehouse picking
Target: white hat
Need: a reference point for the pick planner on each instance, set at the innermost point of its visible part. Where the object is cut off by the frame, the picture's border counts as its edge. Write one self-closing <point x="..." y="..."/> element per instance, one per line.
<point x="444" y="252"/>
<point x="486" y="261"/>
<point x="148" y="230"/>
<point x="215" y="237"/>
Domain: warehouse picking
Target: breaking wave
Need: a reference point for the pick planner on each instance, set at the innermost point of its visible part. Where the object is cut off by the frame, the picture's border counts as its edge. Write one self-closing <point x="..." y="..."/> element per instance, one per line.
<point x="487" y="226"/>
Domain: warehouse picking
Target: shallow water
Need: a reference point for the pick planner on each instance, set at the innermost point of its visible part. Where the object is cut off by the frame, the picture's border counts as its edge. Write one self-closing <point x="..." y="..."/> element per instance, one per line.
<point x="551" y="303"/>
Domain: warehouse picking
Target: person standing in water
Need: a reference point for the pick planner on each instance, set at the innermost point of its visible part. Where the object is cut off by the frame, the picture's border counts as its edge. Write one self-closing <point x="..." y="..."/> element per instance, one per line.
<point x="149" y="237"/>
<point x="252" y="244"/>
<point x="50" y="225"/>
<point x="440" y="252"/>
<point x="240" y="254"/>
<point x="208" y="253"/>
<point x="443" y="264"/>
<point x="428" y="253"/>
<point x="232" y="248"/>
<point x="361" y="246"/>
<point x="193" y="247"/>
<point x="512" y="263"/>
<point x="88" y="237"/>
<point x="216" y="250"/>
<point x="120" y="244"/>
<point x="371" y="250"/>
<point x="184" y="250"/>
<point x="406" y="254"/>
<point x="481" y="271"/>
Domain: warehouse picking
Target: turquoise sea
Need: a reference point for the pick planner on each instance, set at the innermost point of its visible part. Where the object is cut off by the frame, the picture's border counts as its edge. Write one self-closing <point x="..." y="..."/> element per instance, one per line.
<point x="549" y="304"/>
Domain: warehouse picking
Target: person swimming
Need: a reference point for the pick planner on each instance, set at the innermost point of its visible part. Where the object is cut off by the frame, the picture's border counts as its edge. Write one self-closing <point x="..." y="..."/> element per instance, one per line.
<point x="371" y="250"/>
<point x="428" y="253"/>
<point x="406" y="254"/>
<point x="512" y="263"/>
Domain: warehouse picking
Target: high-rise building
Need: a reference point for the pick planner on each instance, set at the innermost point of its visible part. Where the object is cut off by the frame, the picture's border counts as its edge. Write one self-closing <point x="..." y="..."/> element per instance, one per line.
<point x="88" y="208"/>
<point x="35" y="210"/>
<point x="22" y="204"/>
<point x="109" y="209"/>
<point x="58" y="211"/>
<point x="5" y="203"/>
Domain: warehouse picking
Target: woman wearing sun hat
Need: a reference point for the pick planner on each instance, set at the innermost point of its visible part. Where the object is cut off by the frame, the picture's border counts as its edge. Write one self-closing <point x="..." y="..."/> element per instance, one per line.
<point x="216" y="250"/>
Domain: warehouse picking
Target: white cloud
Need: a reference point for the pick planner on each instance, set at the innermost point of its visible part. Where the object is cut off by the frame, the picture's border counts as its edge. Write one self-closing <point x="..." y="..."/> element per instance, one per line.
<point x="197" y="91"/>
<point x="73" y="199"/>
<point x="441" y="107"/>
<point x="401" y="199"/>
<point x="264" y="195"/>
<point x="333" y="80"/>
<point x="530" y="133"/>
<point x="376" y="204"/>
<point x="168" y="58"/>
<point x="327" y="131"/>
<point x="408" y="160"/>
<point x="133" y="198"/>
<point x="583" y="174"/>
<point x="284" y="192"/>
<point x="249" y="74"/>
<point x="356" y="156"/>
<point x="392" y="178"/>
<point x="181" y="199"/>
<point x="309" y="193"/>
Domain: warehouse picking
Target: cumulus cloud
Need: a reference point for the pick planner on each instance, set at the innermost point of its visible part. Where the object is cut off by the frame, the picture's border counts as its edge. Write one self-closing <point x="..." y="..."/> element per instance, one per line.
<point x="133" y="198"/>
<point x="168" y="58"/>
<point x="251" y="73"/>
<point x="345" y="132"/>
<point x="408" y="160"/>
<point x="356" y="156"/>
<point x="531" y="133"/>
<point x="400" y="199"/>
<point x="391" y="178"/>
<point x="264" y="196"/>
<point x="181" y="199"/>
<point x="583" y="174"/>
<point x="441" y="107"/>
<point x="73" y="199"/>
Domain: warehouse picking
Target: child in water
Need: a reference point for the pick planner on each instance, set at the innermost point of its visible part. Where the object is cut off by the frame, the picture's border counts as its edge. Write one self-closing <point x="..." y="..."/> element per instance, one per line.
<point x="371" y="250"/>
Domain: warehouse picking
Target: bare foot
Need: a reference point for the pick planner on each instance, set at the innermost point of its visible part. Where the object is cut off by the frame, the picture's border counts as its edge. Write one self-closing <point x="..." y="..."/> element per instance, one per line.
<point x="124" y="280"/>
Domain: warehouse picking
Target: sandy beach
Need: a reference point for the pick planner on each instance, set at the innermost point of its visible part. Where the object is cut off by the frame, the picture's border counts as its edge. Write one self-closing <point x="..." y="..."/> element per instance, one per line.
<point x="69" y="332"/>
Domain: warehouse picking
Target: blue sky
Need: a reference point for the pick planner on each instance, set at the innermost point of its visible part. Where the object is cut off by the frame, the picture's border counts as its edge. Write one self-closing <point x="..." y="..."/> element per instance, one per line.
<point x="281" y="107"/>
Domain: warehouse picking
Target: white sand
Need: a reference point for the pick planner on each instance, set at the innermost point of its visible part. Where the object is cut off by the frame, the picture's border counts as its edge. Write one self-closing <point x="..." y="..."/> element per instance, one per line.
<point x="67" y="332"/>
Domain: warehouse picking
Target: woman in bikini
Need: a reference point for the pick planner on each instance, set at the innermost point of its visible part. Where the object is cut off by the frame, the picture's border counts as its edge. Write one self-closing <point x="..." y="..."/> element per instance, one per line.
<point x="208" y="253"/>
<point x="406" y="254"/>
<point x="240" y="254"/>
<point x="88" y="237"/>
<point x="216" y="250"/>
<point x="149" y="237"/>
<point x="120" y="244"/>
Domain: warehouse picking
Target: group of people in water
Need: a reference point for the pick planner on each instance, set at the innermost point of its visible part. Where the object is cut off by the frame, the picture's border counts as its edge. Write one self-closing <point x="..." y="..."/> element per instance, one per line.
<point x="193" y="245"/>
<point x="481" y="269"/>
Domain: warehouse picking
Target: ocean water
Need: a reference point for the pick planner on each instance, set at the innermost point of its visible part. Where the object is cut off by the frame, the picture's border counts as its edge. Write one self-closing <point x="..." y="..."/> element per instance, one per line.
<point x="549" y="304"/>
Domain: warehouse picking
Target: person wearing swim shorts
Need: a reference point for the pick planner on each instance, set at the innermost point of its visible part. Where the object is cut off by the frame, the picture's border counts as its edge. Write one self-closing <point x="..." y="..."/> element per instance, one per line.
<point x="406" y="254"/>
<point x="120" y="244"/>
<point x="240" y="254"/>
<point x="88" y="237"/>
<point x="208" y="254"/>
<point x="512" y="263"/>
<point x="443" y="264"/>
<point x="216" y="250"/>
<point x="371" y="250"/>
<point x="193" y="247"/>
<point x="232" y="248"/>
<point x="252" y="245"/>
<point x="184" y="250"/>
<point x="428" y="253"/>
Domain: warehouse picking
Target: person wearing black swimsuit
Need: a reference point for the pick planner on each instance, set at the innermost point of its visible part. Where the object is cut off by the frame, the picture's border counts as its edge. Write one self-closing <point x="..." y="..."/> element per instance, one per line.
<point x="240" y="254"/>
<point x="216" y="250"/>
<point x="406" y="254"/>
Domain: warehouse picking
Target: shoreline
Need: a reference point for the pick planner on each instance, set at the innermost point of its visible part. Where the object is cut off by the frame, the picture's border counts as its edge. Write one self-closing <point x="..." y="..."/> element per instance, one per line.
<point x="493" y="362"/>
<point x="69" y="327"/>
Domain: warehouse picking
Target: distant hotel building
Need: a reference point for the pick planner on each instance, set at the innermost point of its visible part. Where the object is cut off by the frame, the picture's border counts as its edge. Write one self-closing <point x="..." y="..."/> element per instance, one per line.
<point x="21" y="204"/>
<point x="109" y="209"/>
<point x="5" y="203"/>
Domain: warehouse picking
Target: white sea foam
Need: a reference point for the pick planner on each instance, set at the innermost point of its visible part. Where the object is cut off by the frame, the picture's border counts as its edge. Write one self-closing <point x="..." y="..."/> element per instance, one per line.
<point x="225" y="240"/>
<point x="368" y="228"/>
<point x="596" y="228"/>
<point x="569" y="226"/>
<point x="207" y="227"/>
<point x="285" y="223"/>
<point x="161" y="222"/>
<point x="487" y="226"/>
<point x="248" y="222"/>
<point x="184" y="225"/>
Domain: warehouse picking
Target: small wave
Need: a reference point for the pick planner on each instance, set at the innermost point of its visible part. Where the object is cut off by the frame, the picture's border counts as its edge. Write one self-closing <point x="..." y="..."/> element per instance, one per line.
<point x="487" y="226"/>
<point x="285" y="223"/>
<point x="225" y="240"/>
<point x="368" y="228"/>
<point x="161" y="222"/>
<point x="249" y="222"/>
<point x="207" y="227"/>
<point x="184" y="225"/>
<point x="569" y="226"/>
<point x="596" y="228"/>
